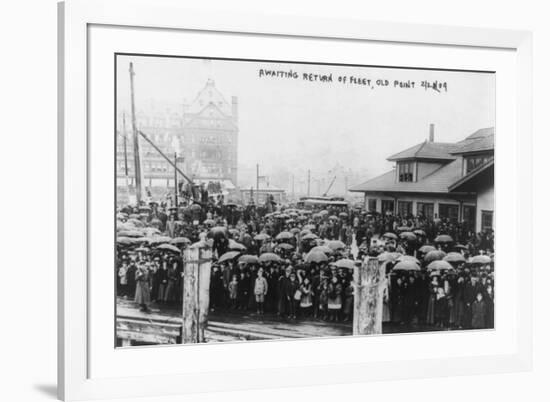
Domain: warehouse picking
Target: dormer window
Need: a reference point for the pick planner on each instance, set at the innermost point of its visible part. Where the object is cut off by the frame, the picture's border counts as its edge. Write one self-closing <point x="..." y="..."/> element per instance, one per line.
<point x="405" y="171"/>
<point x="473" y="162"/>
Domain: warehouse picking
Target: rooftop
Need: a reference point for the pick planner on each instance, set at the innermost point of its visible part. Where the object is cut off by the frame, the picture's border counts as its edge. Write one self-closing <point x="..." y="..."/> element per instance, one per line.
<point x="444" y="177"/>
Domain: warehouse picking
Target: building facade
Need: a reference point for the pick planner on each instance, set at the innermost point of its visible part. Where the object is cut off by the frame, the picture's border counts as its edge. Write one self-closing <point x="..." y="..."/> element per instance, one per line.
<point x="433" y="179"/>
<point x="202" y="137"/>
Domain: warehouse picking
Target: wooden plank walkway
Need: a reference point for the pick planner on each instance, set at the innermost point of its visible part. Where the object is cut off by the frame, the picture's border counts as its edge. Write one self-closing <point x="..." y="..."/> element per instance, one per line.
<point x="160" y="326"/>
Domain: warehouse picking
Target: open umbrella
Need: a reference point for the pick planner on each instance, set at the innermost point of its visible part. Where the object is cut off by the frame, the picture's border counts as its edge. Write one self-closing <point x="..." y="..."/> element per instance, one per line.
<point x="460" y="247"/>
<point x="310" y="236"/>
<point x="180" y="240"/>
<point x="125" y="241"/>
<point x="443" y="239"/>
<point x="235" y="246"/>
<point x="284" y="236"/>
<point x="439" y="265"/>
<point x="336" y="244"/>
<point x="333" y="217"/>
<point x="294" y="231"/>
<point x="218" y="229"/>
<point x="343" y="215"/>
<point x="408" y="258"/>
<point x="419" y="232"/>
<point x="403" y="228"/>
<point x="262" y="237"/>
<point x="228" y="256"/>
<point x="409" y="236"/>
<point x="425" y="249"/>
<point x="135" y="222"/>
<point x="285" y="246"/>
<point x="406" y="265"/>
<point x="130" y="233"/>
<point x="481" y="259"/>
<point x="390" y="235"/>
<point x="316" y="256"/>
<point x="323" y="249"/>
<point x="309" y="227"/>
<point x="269" y="257"/>
<point x="169" y="247"/>
<point x="159" y="239"/>
<point x="387" y="256"/>
<point x="454" y="257"/>
<point x="345" y="263"/>
<point x="248" y="259"/>
<point x="434" y="255"/>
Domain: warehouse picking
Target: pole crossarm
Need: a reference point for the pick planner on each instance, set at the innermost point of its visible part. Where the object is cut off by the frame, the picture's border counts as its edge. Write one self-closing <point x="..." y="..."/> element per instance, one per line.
<point x="164" y="156"/>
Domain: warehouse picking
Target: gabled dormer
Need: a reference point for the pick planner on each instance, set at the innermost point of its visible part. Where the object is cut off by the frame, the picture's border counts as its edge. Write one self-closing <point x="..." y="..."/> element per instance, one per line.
<point x="476" y="150"/>
<point x="423" y="159"/>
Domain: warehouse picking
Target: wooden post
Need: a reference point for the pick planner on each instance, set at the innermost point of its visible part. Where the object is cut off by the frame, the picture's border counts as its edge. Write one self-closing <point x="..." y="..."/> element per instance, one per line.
<point x="370" y="280"/>
<point x="196" y="292"/>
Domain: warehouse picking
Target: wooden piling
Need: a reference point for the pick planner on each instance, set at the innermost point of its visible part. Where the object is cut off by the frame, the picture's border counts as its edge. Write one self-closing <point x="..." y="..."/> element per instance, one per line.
<point x="196" y="292"/>
<point x="369" y="280"/>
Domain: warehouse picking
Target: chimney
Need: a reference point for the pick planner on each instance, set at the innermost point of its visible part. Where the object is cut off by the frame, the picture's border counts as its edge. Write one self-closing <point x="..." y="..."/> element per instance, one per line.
<point x="432" y="132"/>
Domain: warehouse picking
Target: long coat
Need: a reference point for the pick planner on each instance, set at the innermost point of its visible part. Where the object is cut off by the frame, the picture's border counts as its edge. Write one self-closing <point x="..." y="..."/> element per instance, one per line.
<point x="479" y="314"/>
<point x="143" y="283"/>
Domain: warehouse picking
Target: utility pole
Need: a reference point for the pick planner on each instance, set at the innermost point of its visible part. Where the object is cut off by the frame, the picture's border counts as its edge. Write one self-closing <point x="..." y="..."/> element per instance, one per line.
<point x="308" y="181"/>
<point x="137" y="162"/>
<point x="125" y="137"/>
<point x="257" y="184"/>
<point x="176" y="178"/>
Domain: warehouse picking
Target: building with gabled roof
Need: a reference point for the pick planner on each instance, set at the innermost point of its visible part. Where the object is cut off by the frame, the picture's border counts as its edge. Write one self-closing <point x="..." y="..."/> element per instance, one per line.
<point x="446" y="180"/>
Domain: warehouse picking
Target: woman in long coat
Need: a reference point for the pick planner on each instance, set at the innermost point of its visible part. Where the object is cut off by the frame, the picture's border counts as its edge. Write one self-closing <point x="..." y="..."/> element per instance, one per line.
<point x="143" y="287"/>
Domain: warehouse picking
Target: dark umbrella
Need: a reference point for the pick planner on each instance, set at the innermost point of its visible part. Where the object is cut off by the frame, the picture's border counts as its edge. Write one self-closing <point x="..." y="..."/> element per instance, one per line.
<point x="228" y="256"/>
<point x="248" y="259"/>
<point x="434" y="255"/>
<point x="262" y="237"/>
<point x="481" y="259"/>
<point x="169" y="247"/>
<point x="345" y="263"/>
<point x="316" y="256"/>
<point x="269" y="257"/>
<point x="180" y="240"/>
<point x="406" y="265"/>
<point x="284" y="236"/>
<point x="426" y="249"/>
<point x="443" y="239"/>
<point x="454" y="257"/>
<point x="439" y="265"/>
<point x="409" y="236"/>
<point x="390" y="235"/>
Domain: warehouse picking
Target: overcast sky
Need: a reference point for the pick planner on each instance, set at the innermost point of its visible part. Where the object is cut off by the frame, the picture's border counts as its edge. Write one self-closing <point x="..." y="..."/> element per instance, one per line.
<point x="310" y="124"/>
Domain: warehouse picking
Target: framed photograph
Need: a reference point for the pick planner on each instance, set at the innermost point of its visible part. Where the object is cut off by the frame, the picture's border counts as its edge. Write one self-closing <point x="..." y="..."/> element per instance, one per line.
<point x="259" y="201"/>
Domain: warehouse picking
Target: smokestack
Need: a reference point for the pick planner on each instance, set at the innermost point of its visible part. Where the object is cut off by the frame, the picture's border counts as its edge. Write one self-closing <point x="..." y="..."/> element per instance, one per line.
<point x="235" y="109"/>
<point x="432" y="129"/>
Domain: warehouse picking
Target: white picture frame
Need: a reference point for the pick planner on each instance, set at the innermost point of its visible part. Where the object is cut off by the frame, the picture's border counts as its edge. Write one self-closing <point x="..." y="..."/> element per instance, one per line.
<point x="76" y="378"/>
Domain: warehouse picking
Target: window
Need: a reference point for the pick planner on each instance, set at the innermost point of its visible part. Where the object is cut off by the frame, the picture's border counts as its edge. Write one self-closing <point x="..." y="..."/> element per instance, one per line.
<point x="448" y="211"/>
<point x="405" y="171"/>
<point x="387" y="206"/>
<point x="404" y="208"/>
<point x="473" y="162"/>
<point x="425" y="209"/>
<point x="486" y="220"/>
<point x="469" y="216"/>
<point x="371" y="204"/>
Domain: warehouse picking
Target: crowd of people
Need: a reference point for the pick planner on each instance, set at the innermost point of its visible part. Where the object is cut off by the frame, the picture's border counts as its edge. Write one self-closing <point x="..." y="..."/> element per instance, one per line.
<point x="297" y="262"/>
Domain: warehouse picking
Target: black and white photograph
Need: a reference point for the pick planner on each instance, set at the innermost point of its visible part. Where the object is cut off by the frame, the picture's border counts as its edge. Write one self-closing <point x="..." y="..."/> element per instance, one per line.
<point x="261" y="200"/>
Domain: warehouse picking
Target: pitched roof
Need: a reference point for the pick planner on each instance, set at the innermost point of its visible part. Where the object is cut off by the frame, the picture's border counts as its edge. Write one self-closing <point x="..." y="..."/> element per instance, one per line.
<point x="472" y="175"/>
<point x="436" y="182"/>
<point x="477" y="144"/>
<point x="426" y="150"/>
